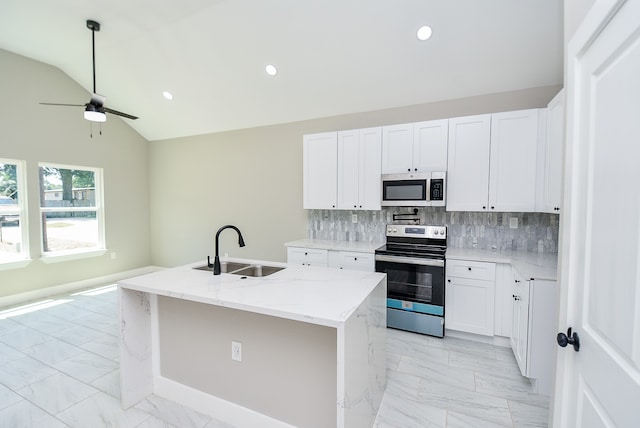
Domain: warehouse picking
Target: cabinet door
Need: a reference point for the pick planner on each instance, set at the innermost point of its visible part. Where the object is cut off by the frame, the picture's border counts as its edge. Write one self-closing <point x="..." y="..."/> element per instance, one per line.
<point x="348" y="169"/>
<point x="369" y="169"/>
<point x="307" y="256"/>
<point x="514" y="148"/>
<point x="430" y="141"/>
<point x="320" y="163"/>
<point x="552" y="156"/>
<point x="296" y="256"/>
<point x="397" y="148"/>
<point x="469" y="305"/>
<point x="504" y="300"/>
<point x="520" y="322"/>
<point x="468" y="163"/>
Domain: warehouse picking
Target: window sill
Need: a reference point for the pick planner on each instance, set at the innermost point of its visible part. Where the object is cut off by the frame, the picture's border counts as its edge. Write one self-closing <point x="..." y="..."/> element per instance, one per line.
<point x="67" y="256"/>
<point x="14" y="264"/>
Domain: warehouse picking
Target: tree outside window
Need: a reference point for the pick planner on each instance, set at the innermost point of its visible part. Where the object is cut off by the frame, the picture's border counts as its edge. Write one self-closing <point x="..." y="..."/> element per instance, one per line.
<point x="71" y="209"/>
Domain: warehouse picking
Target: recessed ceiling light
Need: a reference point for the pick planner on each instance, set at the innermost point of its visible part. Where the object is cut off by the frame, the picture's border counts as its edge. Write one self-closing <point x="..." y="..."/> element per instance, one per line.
<point x="167" y="95"/>
<point x="271" y="70"/>
<point x="424" y="32"/>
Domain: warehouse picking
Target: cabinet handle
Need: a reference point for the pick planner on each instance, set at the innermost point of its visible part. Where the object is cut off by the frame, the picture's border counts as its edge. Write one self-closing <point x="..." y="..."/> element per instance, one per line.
<point x="484" y="207"/>
<point x="415" y="169"/>
<point x="306" y="254"/>
<point x="408" y="169"/>
<point x="448" y="280"/>
<point x="516" y="297"/>
<point x="355" y="258"/>
<point x="333" y="206"/>
<point x="355" y="206"/>
<point x="492" y="207"/>
<point x="469" y="268"/>
<point x="360" y="206"/>
<point x="517" y="281"/>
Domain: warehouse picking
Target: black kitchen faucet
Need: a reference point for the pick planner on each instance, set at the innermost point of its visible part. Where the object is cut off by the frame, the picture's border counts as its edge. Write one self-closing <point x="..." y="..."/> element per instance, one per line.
<point x="216" y="260"/>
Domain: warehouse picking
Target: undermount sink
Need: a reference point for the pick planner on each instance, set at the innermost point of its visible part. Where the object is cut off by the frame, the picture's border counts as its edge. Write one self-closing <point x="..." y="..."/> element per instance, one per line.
<point x="244" y="269"/>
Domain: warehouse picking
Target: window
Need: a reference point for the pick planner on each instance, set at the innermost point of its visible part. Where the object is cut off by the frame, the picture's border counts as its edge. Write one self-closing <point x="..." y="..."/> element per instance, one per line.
<point x="13" y="230"/>
<point x="71" y="224"/>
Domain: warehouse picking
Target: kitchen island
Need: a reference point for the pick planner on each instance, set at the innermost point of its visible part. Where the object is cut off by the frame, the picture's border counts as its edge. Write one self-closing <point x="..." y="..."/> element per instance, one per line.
<point x="312" y="344"/>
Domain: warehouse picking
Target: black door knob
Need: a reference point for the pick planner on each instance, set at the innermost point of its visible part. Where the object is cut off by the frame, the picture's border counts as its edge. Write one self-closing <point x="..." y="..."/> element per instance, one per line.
<point x="571" y="338"/>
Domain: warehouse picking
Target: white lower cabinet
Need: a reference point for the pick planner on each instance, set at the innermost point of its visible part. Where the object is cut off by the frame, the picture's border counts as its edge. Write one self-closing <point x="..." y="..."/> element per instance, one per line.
<point x="352" y="260"/>
<point x="331" y="258"/>
<point x="470" y="297"/>
<point x="308" y="256"/>
<point x="533" y="330"/>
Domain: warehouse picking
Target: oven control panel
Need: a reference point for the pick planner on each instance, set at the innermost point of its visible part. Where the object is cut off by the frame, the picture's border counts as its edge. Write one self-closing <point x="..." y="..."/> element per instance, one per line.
<point x="411" y="231"/>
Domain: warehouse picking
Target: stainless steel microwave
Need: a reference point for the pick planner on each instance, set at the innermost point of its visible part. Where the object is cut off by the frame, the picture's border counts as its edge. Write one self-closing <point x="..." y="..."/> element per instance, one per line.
<point x="426" y="189"/>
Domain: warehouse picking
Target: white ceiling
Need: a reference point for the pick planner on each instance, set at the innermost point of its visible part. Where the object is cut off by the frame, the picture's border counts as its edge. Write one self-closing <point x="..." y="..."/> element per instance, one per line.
<point x="333" y="56"/>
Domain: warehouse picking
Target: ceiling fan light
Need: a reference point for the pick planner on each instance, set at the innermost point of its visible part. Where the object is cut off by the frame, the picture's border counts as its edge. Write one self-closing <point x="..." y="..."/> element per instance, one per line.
<point x="95" y="116"/>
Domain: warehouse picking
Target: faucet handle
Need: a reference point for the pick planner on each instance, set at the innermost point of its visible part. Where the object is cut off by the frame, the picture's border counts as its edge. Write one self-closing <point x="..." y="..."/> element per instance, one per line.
<point x="209" y="264"/>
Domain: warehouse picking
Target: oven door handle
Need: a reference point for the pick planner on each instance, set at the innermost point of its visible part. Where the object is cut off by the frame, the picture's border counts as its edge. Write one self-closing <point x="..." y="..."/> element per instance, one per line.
<point x="409" y="260"/>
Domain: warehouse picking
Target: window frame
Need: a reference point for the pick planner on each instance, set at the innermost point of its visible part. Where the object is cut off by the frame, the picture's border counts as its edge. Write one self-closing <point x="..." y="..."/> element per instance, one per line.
<point x="98" y="209"/>
<point x="21" y="210"/>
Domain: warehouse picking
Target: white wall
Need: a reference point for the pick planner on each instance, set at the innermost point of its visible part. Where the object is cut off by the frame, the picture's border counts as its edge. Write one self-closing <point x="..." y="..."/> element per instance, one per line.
<point x="35" y="133"/>
<point x="253" y="179"/>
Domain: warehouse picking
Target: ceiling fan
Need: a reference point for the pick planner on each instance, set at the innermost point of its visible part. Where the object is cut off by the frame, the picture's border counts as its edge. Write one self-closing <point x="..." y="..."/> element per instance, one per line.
<point x="94" y="110"/>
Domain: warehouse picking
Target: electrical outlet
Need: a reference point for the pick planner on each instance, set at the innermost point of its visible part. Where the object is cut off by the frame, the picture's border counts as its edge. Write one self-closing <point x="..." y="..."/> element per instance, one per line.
<point x="513" y="222"/>
<point x="236" y="351"/>
<point x="354" y="218"/>
<point x="113" y="255"/>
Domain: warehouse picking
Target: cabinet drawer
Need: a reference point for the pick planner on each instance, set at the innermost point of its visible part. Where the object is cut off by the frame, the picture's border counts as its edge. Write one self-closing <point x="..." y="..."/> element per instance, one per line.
<point x="356" y="261"/>
<point x="472" y="270"/>
<point x="307" y="256"/>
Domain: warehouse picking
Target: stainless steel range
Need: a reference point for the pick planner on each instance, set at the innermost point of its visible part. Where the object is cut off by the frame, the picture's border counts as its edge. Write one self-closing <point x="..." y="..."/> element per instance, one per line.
<point x="414" y="261"/>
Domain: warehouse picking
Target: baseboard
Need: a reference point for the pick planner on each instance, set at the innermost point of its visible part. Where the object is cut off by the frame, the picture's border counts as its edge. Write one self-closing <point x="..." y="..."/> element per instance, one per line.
<point x="493" y="340"/>
<point x="41" y="293"/>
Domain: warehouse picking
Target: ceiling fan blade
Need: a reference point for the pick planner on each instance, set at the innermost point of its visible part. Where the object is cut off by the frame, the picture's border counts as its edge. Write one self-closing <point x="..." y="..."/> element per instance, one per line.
<point x="58" y="104"/>
<point x="119" y="113"/>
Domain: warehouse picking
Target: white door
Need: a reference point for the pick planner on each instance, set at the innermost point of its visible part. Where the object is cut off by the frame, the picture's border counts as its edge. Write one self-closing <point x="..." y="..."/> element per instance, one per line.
<point x="599" y="386"/>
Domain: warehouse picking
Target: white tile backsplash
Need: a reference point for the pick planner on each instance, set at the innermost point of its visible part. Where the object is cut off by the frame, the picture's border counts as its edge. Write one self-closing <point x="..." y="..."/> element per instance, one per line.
<point x="536" y="232"/>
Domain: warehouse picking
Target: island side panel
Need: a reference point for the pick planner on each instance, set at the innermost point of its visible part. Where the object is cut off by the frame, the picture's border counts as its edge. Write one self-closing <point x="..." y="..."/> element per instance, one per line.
<point x="288" y="368"/>
<point x="364" y="356"/>
<point x="136" y="374"/>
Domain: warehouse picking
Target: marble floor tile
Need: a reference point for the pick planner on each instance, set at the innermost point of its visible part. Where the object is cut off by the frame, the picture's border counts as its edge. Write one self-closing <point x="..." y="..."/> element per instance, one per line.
<point x="485" y="407"/>
<point x="109" y="384"/>
<point x="26" y="415"/>
<point x="101" y="410"/>
<point x="8" y="397"/>
<point x="402" y="385"/>
<point x="78" y="335"/>
<point x="19" y="373"/>
<point x="107" y="346"/>
<point x="57" y="392"/>
<point x="528" y="416"/>
<point x="8" y="325"/>
<point x="68" y="312"/>
<point x="53" y="351"/>
<point x="459" y="420"/>
<point x="511" y="388"/>
<point x="439" y="373"/>
<point x="172" y="412"/>
<point x="7" y="353"/>
<point x="407" y="413"/>
<point x="486" y="364"/>
<point x="101" y="323"/>
<point x="219" y="424"/>
<point x="153" y="422"/>
<point x="24" y="338"/>
<point x="87" y="366"/>
<point x="43" y="322"/>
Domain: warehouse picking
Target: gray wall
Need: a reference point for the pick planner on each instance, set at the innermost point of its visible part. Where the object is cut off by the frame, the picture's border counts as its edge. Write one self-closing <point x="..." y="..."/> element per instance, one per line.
<point x="253" y="178"/>
<point x="35" y="133"/>
<point x="288" y="369"/>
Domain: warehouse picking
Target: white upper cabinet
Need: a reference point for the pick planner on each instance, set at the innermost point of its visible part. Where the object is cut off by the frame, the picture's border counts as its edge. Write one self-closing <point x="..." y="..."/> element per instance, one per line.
<point x="513" y="167"/>
<point x="320" y="175"/>
<point x="468" y="163"/>
<point x="342" y="170"/>
<point x="359" y="163"/>
<point x="415" y="147"/>
<point x="551" y="154"/>
<point x="492" y="161"/>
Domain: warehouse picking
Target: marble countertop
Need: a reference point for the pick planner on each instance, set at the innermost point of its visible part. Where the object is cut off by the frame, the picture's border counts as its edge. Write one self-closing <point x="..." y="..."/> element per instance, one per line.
<point x="528" y="264"/>
<point x="315" y="295"/>
<point x="358" y="246"/>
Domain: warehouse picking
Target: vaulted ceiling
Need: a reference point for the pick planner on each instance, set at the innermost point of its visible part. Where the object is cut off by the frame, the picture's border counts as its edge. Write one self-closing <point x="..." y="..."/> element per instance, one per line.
<point x="333" y="56"/>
